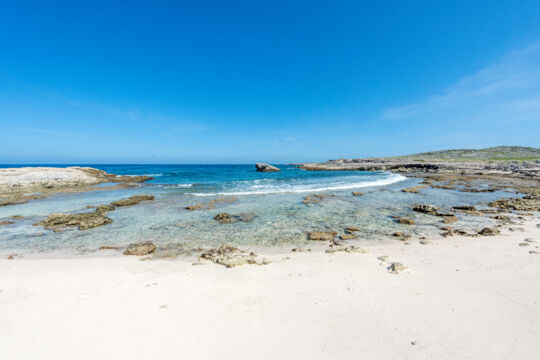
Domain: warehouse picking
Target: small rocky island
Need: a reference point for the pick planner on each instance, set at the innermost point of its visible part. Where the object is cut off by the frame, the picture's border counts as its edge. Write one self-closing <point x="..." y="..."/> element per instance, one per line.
<point x="266" y="168"/>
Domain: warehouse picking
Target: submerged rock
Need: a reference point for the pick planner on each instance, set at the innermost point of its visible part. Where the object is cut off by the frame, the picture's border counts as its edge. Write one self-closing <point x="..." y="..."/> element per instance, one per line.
<point x="425" y="209"/>
<point x="357" y="193"/>
<point x="351" y="229"/>
<point x="140" y="249"/>
<point x="266" y="168"/>
<point x="212" y="203"/>
<point x="527" y="203"/>
<point x="84" y="221"/>
<point x="16" y="217"/>
<point x="322" y="235"/>
<point x="415" y="188"/>
<point x="315" y="198"/>
<point x="132" y="200"/>
<point x="6" y="222"/>
<point x="465" y="208"/>
<point x="449" y="219"/>
<point x="430" y="210"/>
<point x="347" y="237"/>
<point x="405" y="221"/>
<point x="230" y="256"/>
<point x="225" y="218"/>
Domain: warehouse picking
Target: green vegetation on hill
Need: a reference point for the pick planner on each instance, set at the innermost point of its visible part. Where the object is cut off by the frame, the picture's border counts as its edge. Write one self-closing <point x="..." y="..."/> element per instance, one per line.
<point x="499" y="153"/>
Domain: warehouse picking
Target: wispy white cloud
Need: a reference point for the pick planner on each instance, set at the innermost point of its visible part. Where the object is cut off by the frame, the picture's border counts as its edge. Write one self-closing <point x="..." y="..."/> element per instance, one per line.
<point x="507" y="90"/>
<point x="151" y="120"/>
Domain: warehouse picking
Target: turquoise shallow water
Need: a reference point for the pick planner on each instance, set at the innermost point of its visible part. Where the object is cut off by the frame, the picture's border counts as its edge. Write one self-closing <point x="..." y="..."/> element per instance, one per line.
<point x="276" y="198"/>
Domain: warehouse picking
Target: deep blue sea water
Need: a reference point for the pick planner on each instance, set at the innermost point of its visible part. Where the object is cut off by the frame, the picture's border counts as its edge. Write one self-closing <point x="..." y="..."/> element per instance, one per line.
<point x="276" y="198"/>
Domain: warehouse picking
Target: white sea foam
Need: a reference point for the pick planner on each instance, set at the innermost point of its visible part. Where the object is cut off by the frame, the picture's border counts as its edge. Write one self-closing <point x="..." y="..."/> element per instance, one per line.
<point x="329" y="184"/>
<point x="173" y="186"/>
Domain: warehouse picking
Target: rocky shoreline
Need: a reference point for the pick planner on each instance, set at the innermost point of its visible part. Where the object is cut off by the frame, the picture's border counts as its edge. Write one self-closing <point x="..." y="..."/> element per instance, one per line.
<point x="515" y="169"/>
<point x="20" y="185"/>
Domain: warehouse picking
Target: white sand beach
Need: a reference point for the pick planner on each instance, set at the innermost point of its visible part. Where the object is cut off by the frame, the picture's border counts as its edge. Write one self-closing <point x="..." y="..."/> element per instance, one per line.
<point x="463" y="298"/>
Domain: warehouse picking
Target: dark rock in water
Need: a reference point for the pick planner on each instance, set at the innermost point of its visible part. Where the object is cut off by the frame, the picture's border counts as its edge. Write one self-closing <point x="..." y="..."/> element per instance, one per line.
<point x="322" y="235"/>
<point x="430" y="210"/>
<point x="315" y="198"/>
<point x="140" y="249"/>
<point x="351" y="229"/>
<point x="357" y="193"/>
<point x="489" y="232"/>
<point x="225" y="218"/>
<point x="83" y="221"/>
<point x="194" y="207"/>
<point x="415" y="188"/>
<point x="405" y="221"/>
<point x="527" y="203"/>
<point x="425" y="209"/>
<point x="132" y="200"/>
<point x="212" y="203"/>
<point x="266" y="168"/>
<point x="449" y="219"/>
<point x="16" y="217"/>
<point x="347" y="237"/>
<point x="6" y="222"/>
<point x="466" y="208"/>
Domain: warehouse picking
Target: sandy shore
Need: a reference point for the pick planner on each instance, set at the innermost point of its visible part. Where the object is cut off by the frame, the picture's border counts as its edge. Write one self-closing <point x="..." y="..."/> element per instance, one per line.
<point x="463" y="298"/>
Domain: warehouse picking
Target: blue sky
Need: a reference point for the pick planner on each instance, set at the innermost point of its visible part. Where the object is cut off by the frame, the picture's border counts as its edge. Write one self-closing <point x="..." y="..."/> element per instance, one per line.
<point x="274" y="81"/>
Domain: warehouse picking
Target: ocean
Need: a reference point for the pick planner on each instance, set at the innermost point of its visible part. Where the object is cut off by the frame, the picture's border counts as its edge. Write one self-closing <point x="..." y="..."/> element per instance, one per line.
<point x="281" y="220"/>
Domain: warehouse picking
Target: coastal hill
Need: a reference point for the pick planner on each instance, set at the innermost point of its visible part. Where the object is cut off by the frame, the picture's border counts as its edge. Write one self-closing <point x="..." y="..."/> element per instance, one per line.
<point x="514" y="161"/>
<point x="493" y="153"/>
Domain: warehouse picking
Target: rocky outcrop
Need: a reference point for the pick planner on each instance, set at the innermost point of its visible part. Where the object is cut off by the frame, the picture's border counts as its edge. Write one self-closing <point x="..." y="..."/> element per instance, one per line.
<point x="405" y="221"/>
<point x="489" y="232"/>
<point x="266" y="168"/>
<point x="82" y="221"/>
<point x="140" y="249"/>
<point x="6" y="222"/>
<point x="230" y="256"/>
<point x="396" y="268"/>
<point x="415" y="188"/>
<point x="322" y="235"/>
<point x="430" y="210"/>
<point x="212" y="203"/>
<point x="132" y="200"/>
<point x="225" y="218"/>
<point x="527" y="203"/>
<point x="85" y="221"/>
<point x="315" y="198"/>
<point x="44" y="179"/>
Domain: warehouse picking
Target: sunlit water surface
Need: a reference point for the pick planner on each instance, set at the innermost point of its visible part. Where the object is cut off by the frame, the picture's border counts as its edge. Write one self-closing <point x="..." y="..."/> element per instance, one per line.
<point x="276" y="198"/>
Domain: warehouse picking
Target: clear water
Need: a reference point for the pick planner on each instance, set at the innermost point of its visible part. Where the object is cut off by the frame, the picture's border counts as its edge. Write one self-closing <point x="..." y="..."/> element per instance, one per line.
<point x="276" y="198"/>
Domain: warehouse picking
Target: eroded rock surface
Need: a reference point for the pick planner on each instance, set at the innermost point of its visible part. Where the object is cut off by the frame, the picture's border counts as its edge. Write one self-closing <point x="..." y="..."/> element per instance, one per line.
<point x="322" y="235"/>
<point x="133" y="200"/>
<point x="225" y="218"/>
<point x="230" y="256"/>
<point x="266" y="168"/>
<point x="140" y="249"/>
